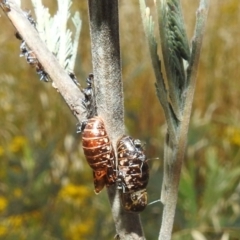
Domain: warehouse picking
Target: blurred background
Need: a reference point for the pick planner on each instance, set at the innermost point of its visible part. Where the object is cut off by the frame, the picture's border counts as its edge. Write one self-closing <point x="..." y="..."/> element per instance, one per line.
<point x="46" y="186"/>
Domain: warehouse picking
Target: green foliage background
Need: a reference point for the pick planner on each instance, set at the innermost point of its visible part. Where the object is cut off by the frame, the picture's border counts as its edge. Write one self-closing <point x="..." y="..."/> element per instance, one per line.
<point x="46" y="189"/>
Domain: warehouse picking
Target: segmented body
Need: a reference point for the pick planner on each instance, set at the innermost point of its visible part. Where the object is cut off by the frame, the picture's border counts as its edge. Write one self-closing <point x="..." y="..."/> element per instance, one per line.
<point x="30" y="18"/>
<point x="133" y="174"/>
<point x="29" y="55"/>
<point x="99" y="153"/>
<point x="89" y="102"/>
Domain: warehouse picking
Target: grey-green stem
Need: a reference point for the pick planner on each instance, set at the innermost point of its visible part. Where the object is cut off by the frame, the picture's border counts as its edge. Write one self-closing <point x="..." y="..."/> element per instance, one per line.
<point x="177" y="127"/>
<point x="173" y="156"/>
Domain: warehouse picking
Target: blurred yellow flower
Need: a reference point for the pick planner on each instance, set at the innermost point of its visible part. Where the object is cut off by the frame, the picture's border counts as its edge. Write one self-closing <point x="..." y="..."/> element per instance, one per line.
<point x="17" y="192"/>
<point x="15" y="221"/>
<point x="3" y="203"/>
<point x="1" y="151"/>
<point x="80" y="230"/>
<point x="3" y="230"/>
<point x="74" y="193"/>
<point x="17" y="144"/>
<point x="233" y="135"/>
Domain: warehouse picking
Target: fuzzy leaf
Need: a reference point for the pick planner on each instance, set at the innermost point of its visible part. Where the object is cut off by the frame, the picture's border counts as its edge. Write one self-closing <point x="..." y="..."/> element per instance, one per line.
<point x="175" y="50"/>
<point x="53" y="31"/>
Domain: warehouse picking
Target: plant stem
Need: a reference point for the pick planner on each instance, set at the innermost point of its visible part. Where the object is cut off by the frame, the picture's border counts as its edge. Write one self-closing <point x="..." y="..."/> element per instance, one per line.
<point x="104" y="29"/>
<point x="174" y="155"/>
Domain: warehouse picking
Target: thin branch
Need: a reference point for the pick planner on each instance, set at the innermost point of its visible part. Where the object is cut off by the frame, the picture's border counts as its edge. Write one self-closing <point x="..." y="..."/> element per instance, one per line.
<point x="176" y="103"/>
<point x="64" y="84"/>
<point x="174" y="157"/>
<point x="104" y="28"/>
